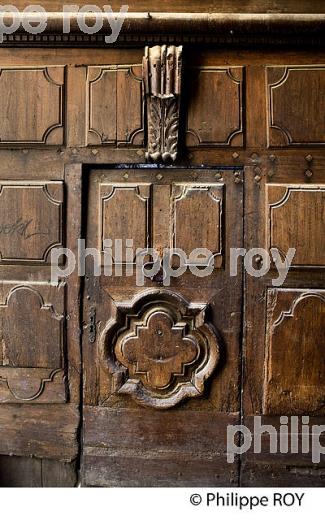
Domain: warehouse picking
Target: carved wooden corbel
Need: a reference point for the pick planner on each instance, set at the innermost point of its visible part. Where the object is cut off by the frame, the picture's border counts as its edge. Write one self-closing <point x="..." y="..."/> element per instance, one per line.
<point x="162" y="72"/>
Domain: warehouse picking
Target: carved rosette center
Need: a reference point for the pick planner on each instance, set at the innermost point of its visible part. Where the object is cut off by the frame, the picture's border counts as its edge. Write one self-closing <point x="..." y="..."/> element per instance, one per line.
<point x="162" y="72"/>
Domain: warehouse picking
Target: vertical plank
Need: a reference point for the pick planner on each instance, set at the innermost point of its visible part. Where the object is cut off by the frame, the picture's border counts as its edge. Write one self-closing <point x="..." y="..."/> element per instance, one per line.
<point x="73" y="178"/>
<point x="161" y="217"/>
<point x="32" y="472"/>
<point x="76" y="106"/>
<point x="59" y="474"/>
<point x="255" y="111"/>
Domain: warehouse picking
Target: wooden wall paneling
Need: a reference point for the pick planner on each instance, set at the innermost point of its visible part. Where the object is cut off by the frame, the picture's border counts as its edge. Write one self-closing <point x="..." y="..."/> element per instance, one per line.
<point x="130" y="106"/>
<point x="290" y="232"/>
<point x="52" y="431"/>
<point x="102" y="105"/>
<point x="32" y="366"/>
<point x="296" y="319"/>
<point x="48" y="430"/>
<point x="274" y="387"/>
<point x="20" y="472"/>
<point x="115" y="105"/>
<point x="76" y="108"/>
<point x="211" y="121"/>
<point x="285" y="228"/>
<point x="23" y="164"/>
<point x="295" y="105"/>
<point x="32" y="220"/>
<point x="254" y="107"/>
<point x="34" y="115"/>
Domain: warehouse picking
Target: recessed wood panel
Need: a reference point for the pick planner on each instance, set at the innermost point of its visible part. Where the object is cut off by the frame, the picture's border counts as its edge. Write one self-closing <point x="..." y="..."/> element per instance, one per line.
<point x="115" y="105"/>
<point x="295" y="358"/>
<point x="197" y="218"/>
<point x="125" y="215"/>
<point x="296" y="219"/>
<point x="215" y="107"/>
<point x="31" y="105"/>
<point x="31" y="364"/>
<point x="30" y="220"/>
<point x="296" y="105"/>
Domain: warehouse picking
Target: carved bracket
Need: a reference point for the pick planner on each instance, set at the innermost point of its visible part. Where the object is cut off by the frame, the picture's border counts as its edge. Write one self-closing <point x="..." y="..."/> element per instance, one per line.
<point x="162" y="72"/>
<point x="159" y="349"/>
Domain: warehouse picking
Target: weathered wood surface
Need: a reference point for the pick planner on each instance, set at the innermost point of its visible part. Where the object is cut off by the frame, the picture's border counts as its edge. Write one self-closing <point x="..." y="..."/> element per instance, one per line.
<point x="279" y="172"/>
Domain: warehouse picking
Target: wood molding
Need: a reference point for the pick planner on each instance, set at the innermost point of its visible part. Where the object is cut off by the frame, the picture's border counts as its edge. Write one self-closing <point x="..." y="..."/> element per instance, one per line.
<point x="297" y="314"/>
<point x="32" y="221"/>
<point x="291" y="123"/>
<point x="285" y="229"/>
<point x="33" y="100"/>
<point x="210" y="121"/>
<point x="115" y="105"/>
<point x="178" y="350"/>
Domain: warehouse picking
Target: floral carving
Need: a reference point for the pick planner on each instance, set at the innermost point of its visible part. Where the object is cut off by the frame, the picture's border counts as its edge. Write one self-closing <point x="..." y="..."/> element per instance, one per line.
<point x="159" y="349"/>
<point x="162" y="78"/>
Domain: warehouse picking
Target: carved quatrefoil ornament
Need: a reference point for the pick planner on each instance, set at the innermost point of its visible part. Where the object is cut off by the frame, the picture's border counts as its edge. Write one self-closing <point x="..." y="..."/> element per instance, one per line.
<point x="159" y="349"/>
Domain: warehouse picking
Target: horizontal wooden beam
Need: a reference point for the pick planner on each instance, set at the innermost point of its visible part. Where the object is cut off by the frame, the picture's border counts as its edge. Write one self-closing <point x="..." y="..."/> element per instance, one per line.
<point x="179" y="27"/>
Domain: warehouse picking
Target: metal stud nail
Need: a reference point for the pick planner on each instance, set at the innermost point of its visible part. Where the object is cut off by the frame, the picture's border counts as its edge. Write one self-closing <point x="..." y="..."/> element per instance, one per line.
<point x="308" y="174"/>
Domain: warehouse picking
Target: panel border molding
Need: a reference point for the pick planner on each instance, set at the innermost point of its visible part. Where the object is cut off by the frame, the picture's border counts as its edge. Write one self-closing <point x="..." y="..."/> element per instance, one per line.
<point x="60" y="123"/>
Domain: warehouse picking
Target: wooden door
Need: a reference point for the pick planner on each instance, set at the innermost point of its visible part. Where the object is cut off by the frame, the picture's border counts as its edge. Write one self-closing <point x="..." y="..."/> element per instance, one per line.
<point x="162" y="363"/>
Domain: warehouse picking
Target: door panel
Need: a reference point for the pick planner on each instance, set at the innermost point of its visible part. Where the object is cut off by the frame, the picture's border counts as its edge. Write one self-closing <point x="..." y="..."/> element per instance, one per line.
<point x="197" y="208"/>
<point x="162" y="363"/>
<point x="125" y="213"/>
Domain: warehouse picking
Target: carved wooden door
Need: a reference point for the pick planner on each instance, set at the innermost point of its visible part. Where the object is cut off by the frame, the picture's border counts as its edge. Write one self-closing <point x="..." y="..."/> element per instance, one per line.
<point x="161" y="363"/>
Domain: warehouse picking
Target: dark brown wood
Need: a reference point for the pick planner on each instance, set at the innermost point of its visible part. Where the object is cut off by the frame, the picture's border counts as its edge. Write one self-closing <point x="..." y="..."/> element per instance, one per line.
<point x="295" y="319"/>
<point x="114" y="384"/>
<point x="178" y="447"/>
<point x="249" y="173"/>
<point x="42" y="431"/>
<point x="28" y="472"/>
